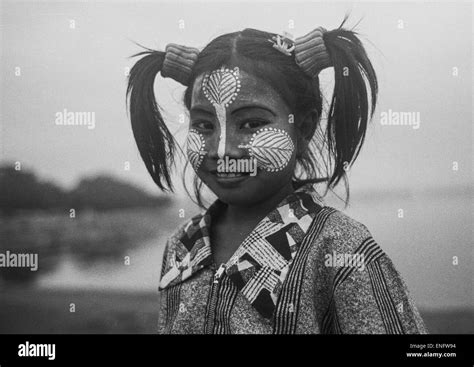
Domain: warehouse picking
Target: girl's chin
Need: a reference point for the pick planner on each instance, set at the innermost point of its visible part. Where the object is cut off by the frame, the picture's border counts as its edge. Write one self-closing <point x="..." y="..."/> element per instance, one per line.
<point x="241" y="191"/>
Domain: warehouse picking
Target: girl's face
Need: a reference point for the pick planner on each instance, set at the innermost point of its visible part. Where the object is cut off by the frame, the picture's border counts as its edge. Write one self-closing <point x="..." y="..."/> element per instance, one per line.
<point x="240" y="123"/>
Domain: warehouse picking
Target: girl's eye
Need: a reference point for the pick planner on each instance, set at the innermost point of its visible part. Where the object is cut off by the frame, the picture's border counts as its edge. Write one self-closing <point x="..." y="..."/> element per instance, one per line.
<point x="253" y="124"/>
<point x="203" y="125"/>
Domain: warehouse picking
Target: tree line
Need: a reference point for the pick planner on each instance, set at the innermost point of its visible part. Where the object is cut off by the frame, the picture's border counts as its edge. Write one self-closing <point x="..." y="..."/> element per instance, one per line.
<point x="23" y="190"/>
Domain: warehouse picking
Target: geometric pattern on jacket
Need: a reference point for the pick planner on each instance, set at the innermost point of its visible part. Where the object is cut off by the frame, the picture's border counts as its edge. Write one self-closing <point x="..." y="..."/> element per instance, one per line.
<point x="278" y="280"/>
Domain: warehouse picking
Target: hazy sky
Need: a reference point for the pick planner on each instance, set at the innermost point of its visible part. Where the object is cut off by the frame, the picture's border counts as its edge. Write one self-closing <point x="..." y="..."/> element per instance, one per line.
<point x="414" y="47"/>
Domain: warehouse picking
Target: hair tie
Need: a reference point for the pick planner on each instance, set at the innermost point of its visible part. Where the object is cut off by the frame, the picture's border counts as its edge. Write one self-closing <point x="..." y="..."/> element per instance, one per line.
<point x="179" y="62"/>
<point x="311" y="54"/>
<point x="310" y="51"/>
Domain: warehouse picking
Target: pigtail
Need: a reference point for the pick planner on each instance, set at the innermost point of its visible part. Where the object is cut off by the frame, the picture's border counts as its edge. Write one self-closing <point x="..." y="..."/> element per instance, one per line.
<point x="155" y="143"/>
<point x="353" y="101"/>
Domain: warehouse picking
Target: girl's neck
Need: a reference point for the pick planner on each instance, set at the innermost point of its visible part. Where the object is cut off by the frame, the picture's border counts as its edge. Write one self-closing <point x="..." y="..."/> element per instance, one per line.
<point x="239" y="214"/>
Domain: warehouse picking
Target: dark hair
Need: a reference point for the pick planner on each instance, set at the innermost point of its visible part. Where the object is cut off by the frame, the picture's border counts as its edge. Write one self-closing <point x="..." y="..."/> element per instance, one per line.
<point x="352" y="104"/>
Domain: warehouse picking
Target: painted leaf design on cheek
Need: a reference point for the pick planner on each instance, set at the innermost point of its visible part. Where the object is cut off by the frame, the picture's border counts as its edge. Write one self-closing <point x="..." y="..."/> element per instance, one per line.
<point x="195" y="145"/>
<point x="272" y="148"/>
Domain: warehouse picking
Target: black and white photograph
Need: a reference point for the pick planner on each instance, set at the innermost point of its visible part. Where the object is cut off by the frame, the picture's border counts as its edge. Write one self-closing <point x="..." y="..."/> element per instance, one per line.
<point x="236" y="167"/>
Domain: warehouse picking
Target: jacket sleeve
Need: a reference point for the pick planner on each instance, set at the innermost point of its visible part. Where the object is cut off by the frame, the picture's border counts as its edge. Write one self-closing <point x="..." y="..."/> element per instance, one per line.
<point x="367" y="296"/>
<point x="162" y="313"/>
<point x="375" y="301"/>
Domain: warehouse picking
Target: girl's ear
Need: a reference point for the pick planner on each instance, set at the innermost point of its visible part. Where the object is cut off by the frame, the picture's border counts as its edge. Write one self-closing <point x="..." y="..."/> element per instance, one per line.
<point x="306" y="129"/>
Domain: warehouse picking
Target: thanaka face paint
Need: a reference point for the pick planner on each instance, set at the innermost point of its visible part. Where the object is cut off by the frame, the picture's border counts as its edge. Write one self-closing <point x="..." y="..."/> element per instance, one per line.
<point x="195" y="145"/>
<point x="272" y="148"/>
<point x="221" y="88"/>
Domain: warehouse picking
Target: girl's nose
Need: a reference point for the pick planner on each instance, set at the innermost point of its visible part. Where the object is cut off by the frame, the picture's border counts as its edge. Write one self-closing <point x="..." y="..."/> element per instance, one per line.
<point x="231" y="145"/>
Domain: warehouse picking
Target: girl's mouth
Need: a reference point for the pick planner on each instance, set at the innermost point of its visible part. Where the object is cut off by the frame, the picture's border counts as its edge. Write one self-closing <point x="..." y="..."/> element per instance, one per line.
<point x="230" y="174"/>
<point x="230" y="178"/>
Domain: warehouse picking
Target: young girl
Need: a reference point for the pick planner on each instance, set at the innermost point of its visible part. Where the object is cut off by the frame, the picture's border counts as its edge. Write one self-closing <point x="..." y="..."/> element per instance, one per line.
<point x="268" y="256"/>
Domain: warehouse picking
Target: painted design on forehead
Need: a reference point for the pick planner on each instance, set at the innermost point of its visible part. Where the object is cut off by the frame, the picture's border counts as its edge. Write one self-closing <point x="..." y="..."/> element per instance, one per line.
<point x="195" y="145"/>
<point x="272" y="148"/>
<point x="221" y="88"/>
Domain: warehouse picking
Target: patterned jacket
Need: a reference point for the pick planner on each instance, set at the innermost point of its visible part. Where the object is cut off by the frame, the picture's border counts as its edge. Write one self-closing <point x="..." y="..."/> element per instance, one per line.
<point x="305" y="268"/>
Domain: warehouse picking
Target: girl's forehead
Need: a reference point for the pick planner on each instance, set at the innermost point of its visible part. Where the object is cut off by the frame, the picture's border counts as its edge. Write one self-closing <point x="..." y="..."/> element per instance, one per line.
<point x="252" y="90"/>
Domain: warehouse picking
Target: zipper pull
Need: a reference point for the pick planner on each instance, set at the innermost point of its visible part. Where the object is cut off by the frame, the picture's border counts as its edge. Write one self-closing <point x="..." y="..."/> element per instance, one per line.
<point x="218" y="273"/>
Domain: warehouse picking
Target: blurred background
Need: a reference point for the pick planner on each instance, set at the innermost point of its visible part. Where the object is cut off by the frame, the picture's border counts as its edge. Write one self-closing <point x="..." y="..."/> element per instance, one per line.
<point x="80" y="197"/>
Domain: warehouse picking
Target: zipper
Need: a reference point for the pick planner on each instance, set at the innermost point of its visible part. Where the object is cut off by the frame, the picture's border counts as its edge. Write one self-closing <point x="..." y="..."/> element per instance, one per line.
<point x="218" y="273"/>
<point x="211" y="311"/>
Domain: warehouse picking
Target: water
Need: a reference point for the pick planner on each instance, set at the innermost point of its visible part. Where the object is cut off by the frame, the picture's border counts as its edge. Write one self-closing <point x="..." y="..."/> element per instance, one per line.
<point x="424" y="245"/>
<point x="141" y="273"/>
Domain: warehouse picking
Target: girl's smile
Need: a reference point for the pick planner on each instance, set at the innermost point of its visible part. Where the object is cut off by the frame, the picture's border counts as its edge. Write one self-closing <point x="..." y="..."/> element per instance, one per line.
<point x="231" y="179"/>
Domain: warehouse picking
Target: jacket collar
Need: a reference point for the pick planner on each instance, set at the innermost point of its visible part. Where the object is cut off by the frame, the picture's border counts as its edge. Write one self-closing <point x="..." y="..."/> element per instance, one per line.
<point x="259" y="266"/>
